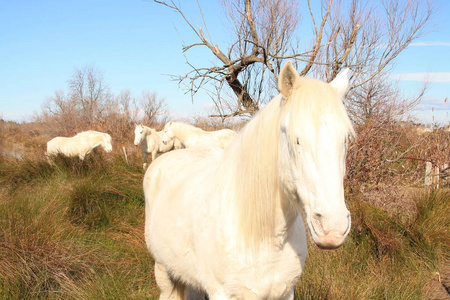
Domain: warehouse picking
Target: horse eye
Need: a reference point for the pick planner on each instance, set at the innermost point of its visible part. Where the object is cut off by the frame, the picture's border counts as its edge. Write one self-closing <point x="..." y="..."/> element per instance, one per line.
<point x="298" y="141"/>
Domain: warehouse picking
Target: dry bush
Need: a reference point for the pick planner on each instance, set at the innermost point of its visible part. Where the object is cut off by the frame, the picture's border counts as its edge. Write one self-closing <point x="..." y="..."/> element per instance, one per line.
<point x="22" y="141"/>
<point x="211" y="124"/>
<point x="394" y="153"/>
<point x="386" y="164"/>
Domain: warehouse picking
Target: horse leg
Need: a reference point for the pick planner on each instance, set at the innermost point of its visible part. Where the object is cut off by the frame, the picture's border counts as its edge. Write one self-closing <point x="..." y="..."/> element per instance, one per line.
<point x="153" y="155"/>
<point x="290" y="296"/>
<point x="49" y="159"/>
<point x="170" y="290"/>
<point x="144" y="156"/>
<point x="194" y="294"/>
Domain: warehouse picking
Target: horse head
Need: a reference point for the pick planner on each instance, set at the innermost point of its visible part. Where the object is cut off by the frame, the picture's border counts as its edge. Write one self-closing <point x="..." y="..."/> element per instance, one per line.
<point x="139" y="134"/>
<point x="314" y="129"/>
<point x="107" y="143"/>
<point x="168" y="134"/>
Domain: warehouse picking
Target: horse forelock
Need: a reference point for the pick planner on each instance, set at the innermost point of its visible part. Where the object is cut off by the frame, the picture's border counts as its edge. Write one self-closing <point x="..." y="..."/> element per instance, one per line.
<point x="311" y="104"/>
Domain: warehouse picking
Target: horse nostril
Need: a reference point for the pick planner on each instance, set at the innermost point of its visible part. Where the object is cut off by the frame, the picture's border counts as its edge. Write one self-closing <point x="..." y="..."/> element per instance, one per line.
<point x="317" y="221"/>
<point x="317" y="216"/>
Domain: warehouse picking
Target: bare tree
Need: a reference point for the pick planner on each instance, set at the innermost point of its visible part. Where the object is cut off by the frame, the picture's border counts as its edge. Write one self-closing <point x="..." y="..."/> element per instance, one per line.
<point x="89" y="91"/>
<point x="86" y="105"/>
<point x="152" y="106"/>
<point x="364" y="36"/>
<point x="367" y="38"/>
<point x="60" y="113"/>
<point x="126" y="106"/>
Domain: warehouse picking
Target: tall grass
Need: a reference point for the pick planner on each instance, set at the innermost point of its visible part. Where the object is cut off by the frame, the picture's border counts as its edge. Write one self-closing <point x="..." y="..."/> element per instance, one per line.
<point x="74" y="230"/>
<point x="386" y="256"/>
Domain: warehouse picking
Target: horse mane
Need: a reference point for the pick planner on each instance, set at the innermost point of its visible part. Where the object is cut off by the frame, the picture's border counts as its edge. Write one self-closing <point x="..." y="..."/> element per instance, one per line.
<point x="146" y="128"/>
<point x="183" y="129"/>
<point x="180" y="126"/>
<point x="254" y="155"/>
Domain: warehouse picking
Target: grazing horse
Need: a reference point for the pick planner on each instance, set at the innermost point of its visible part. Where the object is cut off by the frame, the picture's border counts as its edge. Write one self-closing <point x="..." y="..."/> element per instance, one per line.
<point x="151" y="142"/>
<point x="230" y="223"/>
<point x="192" y="136"/>
<point x="79" y="145"/>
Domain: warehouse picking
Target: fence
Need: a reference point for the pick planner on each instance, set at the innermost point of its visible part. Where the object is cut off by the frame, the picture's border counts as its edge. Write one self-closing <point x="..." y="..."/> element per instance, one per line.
<point x="433" y="174"/>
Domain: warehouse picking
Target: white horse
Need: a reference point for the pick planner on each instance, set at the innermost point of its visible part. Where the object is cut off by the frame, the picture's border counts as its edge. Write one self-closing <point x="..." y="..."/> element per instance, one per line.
<point x="192" y="136"/>
<point x="422" y="129"/>
<point x="80" y="145"/>
<point x="229" y="223"/>
<point x="151" y="141"/>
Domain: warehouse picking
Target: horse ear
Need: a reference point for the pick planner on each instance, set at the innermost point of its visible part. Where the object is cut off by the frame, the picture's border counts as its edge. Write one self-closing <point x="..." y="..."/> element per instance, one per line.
<point x="288" y="79"/>
<point x="341" y="83"/>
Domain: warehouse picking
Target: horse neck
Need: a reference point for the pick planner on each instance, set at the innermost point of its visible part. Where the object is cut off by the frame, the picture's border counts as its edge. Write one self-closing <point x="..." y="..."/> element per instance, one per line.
<point x="148" y="132"/>
<point x="90" y="139"/>
<point x="183" y="131"/>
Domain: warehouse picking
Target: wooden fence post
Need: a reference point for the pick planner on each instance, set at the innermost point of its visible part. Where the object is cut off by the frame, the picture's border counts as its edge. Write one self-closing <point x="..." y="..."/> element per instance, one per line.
<point x="436" y="172"/>
<point x="428" y="174"/>
<point x="125" y="153"/>
<point x="432" y="173"/>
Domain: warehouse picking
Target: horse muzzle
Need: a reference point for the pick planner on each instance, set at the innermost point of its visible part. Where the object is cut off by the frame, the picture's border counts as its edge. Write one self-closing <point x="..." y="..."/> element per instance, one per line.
<point x="329" y="237"/>
<point x="333" y="240"/>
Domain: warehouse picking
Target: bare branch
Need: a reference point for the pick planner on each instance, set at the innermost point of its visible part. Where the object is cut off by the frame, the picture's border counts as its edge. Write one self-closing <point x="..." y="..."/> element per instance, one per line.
<point x="364" y="36"/>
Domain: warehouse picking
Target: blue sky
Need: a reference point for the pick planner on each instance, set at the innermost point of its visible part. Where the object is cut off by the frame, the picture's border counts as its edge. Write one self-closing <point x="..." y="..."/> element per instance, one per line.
<point x="137" y="43"/>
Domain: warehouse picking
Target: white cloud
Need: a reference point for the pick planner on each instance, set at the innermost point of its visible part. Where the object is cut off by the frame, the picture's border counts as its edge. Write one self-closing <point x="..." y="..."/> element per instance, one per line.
<point x="434" y="103"/>
<point x="429" y="44"/>
<point x="430" y="77"/>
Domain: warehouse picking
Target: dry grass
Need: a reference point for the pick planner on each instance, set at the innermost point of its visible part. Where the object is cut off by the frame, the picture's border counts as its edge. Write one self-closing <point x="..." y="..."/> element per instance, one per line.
<point x="75" y="230"/>
<point x="385" y="257"/>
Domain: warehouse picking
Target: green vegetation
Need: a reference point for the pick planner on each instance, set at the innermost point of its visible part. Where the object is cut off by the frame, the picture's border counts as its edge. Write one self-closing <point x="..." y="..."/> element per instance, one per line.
<point x="74" y="230"/>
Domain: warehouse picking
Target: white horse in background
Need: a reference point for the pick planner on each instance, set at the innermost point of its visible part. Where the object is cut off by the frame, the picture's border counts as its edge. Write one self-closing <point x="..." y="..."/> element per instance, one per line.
<point x="192" y="136"/>
<point x="79" y="145"/>
<point x="151" y="141"/>
<point x="230" y="222"/>
<point x="423" y="130"/>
